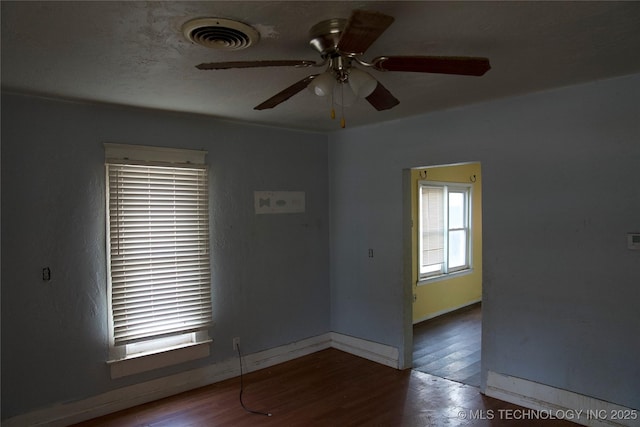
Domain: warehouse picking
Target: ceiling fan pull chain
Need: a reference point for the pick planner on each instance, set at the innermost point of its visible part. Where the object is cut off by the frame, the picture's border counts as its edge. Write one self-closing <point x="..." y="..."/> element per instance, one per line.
<point x="333" y="106"/>
<point x="342" y="121"/>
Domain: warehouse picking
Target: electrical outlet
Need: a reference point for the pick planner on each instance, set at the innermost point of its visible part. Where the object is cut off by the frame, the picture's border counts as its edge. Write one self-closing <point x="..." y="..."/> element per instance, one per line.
<point x="46" y="274"/>
<point x="236" y="342"/>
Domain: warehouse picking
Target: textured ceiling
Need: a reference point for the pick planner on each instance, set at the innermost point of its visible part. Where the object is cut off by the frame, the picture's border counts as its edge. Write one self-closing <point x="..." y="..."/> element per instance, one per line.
<point x="134" y="53"/>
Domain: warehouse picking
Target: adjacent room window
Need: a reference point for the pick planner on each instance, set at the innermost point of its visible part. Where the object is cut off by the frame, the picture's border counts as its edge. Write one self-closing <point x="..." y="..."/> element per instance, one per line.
<point x="157" y="248"/>
<point x="444" y="232"/>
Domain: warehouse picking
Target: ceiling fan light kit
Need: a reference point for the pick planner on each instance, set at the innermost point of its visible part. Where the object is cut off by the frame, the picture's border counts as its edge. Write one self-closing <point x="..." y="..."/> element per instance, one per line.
<point x="341" y="43"/>
<point x="361" y="82"/>
<point x="323" y="84"/>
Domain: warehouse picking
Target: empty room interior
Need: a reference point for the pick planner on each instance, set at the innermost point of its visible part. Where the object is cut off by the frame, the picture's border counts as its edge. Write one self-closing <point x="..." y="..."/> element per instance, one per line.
<point x="185" y="182"/>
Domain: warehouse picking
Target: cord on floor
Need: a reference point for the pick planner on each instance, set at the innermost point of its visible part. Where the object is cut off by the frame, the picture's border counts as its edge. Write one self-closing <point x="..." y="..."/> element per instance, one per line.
<point x="268" y="414"/>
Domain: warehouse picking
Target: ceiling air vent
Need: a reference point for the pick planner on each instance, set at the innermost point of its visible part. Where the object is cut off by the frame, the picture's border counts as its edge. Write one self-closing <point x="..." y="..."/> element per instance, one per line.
<point x="218" y="33"/>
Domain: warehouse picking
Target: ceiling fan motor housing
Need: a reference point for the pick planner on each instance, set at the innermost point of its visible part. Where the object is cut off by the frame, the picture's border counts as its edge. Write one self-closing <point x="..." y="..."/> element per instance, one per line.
<point x="325" y="35"/>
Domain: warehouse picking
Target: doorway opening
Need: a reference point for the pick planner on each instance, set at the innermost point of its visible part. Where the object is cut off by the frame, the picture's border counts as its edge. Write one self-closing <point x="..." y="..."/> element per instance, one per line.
<point x="445" y="205"/>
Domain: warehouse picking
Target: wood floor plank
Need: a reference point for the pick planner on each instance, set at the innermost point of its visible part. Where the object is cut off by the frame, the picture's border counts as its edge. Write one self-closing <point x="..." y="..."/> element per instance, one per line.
<point x="448" y="346"/>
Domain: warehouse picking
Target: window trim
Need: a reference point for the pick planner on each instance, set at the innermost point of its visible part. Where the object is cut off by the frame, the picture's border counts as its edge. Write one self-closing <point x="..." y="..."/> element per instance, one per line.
<point x="445" y="272"/>
<point x="196" y="344"/>
<point x="143" y="362"/>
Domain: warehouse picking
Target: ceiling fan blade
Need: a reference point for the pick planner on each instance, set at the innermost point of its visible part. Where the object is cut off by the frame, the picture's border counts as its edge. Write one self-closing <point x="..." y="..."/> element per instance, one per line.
<point x="286" y="94"/>
<point x="463" y="65"/>
<point x="364" y="28"/>
<point x="381" y="98"/>
<point x="254" y="64"/>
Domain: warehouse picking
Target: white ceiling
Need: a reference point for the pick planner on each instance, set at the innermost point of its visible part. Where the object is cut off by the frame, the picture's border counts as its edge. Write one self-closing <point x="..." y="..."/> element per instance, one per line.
<point x="133" y="53"/>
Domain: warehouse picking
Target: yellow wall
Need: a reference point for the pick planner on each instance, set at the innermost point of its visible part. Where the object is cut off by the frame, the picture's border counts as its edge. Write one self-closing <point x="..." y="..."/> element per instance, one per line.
<point x="439" y="297"/>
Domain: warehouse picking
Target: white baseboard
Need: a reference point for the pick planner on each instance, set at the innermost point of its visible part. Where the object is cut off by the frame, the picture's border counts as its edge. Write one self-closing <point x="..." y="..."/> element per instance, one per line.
<point x="445" y="311"/>
<point x="380" y="353"/>
<point x="560" y="403"/>
<point x="74" y="412"/>
<point x="112" y="401"/>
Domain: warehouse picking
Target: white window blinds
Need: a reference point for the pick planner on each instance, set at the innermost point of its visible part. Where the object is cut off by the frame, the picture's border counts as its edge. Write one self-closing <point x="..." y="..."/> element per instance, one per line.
<point x="432" y="225"/>
<point x="158" y="250"/>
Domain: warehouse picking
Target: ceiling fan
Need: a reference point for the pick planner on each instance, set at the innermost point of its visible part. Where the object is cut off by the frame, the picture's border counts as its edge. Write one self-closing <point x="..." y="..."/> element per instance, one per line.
<point x="341" y="43"/>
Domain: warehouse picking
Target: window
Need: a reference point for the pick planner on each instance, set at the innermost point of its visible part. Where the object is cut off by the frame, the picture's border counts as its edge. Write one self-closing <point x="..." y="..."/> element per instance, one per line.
<point x="157" y="249"/>
<point x="444" y="237"/>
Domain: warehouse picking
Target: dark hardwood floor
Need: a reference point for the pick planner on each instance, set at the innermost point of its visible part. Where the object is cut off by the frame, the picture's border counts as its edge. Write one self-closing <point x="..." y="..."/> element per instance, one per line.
<point x="448" y="346"/>
<point x="327" y="388"/>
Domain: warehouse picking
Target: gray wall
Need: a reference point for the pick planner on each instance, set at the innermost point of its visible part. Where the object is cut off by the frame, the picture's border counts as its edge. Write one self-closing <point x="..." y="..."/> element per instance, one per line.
<point x="270" y="272"/>
<point x="561" y="188"/>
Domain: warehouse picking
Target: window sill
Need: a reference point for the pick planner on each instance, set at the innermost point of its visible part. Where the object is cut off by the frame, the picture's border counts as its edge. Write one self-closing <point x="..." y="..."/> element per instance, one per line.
<point x="144" y="362"/>
<point x="442" y="277"/>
